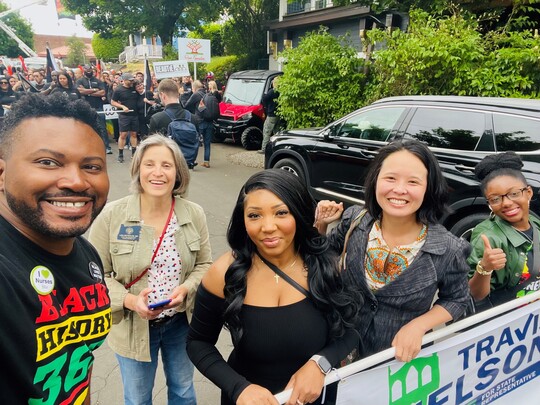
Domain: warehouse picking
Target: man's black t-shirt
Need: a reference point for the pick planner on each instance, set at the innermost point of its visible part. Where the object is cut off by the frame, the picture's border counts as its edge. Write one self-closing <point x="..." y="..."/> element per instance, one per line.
<point x="54" y="311"/>
<point x="92" y="83"/>
<point x="128" y="97"/>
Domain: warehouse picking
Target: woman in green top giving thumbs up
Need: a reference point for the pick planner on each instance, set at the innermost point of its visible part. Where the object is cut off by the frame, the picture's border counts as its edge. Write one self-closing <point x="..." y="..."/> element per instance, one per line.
<point x="505" y="261"/>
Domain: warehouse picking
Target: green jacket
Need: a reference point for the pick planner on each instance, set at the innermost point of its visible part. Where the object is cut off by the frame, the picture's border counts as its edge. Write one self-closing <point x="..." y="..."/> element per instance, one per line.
<point x="124" y="260"/>
<point x="501" y="235"/>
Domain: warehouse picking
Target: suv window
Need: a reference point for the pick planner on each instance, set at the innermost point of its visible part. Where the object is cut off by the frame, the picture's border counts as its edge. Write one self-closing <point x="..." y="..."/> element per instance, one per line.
<point x="374" y="125"/>
<point x="515" y="133"/>
<point x="446" y="128"/>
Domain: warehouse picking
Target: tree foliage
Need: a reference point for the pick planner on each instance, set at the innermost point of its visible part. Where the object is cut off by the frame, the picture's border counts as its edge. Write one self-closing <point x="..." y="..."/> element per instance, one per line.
<point x="244" y="33"/>
<point x="449" y="55"/>
<point x="107" y="49"/>
<point x="322" y="80"/>
<point x="76" y="51"/>
<point x="151" y="17"/>
<point x="223" y="66"/>
<point x="21" y="28"/>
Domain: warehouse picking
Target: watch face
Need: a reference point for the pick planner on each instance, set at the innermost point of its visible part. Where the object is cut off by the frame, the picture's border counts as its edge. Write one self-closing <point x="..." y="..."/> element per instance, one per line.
<point x="325" y="365"/>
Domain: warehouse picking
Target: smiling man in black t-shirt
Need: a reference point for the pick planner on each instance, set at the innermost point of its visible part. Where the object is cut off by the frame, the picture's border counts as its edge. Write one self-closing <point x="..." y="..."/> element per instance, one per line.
<point x="54" y="305"/>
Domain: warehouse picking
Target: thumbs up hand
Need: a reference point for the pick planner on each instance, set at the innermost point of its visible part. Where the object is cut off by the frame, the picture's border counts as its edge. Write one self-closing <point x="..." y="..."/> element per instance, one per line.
<point x="493" y="259"/>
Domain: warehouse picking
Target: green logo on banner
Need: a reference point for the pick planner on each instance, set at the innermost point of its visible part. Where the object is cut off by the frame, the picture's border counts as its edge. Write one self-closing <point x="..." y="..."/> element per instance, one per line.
<point x="413" y="382"/>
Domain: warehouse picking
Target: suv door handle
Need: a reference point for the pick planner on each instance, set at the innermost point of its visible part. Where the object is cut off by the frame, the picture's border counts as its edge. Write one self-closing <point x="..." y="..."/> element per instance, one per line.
<point x="464" y="168"/>
<point x="368" y="153"/>
<point x="343" y="146"/>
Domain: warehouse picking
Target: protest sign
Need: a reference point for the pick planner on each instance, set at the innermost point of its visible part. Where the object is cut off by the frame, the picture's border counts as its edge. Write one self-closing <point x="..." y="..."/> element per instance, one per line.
<point x="171" y="68"/>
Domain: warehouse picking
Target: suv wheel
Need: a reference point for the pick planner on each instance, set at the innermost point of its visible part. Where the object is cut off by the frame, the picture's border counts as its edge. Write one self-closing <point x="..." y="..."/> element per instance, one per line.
<point x="251" y="138"/>
<point x="292" y="166"/>
<point x="463" y="228"/>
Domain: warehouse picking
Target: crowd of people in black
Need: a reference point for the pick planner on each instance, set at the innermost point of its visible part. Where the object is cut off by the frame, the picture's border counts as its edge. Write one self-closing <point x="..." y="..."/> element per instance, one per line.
<point x="134" y="97"/>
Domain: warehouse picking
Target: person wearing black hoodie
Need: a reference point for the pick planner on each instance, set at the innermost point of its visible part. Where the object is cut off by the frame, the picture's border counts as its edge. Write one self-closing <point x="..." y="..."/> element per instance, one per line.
<point x="7" y="95"/>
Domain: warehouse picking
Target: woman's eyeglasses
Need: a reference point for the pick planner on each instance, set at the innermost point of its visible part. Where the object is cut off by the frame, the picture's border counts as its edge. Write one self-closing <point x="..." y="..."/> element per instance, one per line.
<point x="511" y="195"/>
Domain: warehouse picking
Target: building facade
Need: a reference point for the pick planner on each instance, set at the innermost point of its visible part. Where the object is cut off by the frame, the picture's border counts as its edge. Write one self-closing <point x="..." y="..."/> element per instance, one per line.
<point x="300" y="17"/>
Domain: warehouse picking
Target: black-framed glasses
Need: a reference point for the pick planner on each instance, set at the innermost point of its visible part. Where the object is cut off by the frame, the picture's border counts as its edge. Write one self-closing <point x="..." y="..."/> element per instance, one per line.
<point x="511" y="195"/>
<point x="3" y="82"/>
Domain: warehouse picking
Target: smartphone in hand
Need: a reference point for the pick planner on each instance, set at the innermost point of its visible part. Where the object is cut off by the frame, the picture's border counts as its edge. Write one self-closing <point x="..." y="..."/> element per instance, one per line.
<point x="159" y="304"/>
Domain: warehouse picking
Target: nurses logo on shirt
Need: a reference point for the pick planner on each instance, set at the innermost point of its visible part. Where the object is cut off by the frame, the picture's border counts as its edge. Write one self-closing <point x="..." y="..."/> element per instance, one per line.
<point x="42" y="280"/>
<point x="95" y="271"/>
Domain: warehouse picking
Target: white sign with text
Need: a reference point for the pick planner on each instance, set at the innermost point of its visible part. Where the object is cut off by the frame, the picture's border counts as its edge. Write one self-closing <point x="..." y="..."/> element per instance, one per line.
<point x="194" y="50"/>
<point x="171" y="68"/>
<point x="495" y="362"/>
<point x="110" y="112"/>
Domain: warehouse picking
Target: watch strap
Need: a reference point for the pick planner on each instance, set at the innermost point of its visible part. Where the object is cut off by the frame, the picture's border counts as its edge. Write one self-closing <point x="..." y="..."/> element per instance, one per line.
<point x="323" y="364"/>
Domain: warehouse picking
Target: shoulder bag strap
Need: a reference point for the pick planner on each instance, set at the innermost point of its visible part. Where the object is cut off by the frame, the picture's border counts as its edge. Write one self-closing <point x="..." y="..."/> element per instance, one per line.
<point x="286" y="277"/>
<point x="169" y="114"/>
<point x="354" y="224"/>
<point x="186" y="116"/>
<point x="128" y="285"/>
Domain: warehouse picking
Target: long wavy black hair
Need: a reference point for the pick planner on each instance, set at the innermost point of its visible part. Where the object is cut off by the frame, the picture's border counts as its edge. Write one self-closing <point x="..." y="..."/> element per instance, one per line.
<point x="337" y="301"/>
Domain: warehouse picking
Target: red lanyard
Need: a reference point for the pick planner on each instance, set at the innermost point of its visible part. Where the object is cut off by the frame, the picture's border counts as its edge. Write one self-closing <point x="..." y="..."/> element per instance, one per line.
<point x="128" y="285"/>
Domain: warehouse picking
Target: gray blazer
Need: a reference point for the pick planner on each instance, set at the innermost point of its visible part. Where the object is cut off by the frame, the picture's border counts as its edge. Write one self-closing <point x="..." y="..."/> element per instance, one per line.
<point x="440" y="266"/>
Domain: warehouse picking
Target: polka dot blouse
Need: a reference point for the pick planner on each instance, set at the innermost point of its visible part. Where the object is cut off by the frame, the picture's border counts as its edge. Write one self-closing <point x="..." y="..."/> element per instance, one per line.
<point x="165" y="271"/>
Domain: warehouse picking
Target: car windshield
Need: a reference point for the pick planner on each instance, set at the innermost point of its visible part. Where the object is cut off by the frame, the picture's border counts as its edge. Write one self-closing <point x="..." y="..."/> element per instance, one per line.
<point x="244" y="91"/>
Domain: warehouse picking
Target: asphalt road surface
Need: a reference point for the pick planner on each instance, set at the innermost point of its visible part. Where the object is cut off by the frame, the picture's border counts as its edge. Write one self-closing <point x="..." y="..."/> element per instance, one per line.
<point x="216" y="190"/>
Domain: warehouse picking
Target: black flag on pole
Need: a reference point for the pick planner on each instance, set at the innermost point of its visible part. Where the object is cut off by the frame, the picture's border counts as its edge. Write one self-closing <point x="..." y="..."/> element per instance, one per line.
<point x="27" y="86"/>
<point x="147" y="76"/>
<point x="51" y="64"/>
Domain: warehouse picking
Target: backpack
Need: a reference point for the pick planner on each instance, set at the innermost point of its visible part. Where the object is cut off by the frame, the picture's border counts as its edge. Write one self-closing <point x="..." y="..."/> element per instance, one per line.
<point x="209" y="107"/>
<point x="185" y="134"/>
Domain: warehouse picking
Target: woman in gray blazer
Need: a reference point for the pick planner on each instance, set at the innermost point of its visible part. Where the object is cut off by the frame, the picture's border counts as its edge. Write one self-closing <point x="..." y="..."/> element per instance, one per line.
<point x="396" y="253"/>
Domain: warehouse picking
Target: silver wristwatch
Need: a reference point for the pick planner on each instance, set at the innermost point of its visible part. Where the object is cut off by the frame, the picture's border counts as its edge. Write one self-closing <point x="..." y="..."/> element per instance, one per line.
<point x="323" y="363"/>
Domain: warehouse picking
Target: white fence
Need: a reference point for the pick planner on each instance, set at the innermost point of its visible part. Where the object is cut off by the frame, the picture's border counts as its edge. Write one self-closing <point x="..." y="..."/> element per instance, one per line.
<point x="138" y="52"/>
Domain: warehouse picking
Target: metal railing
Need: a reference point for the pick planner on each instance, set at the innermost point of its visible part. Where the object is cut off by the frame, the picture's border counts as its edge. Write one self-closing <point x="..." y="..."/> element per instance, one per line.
<point x="139" y="52"/>
<point x="303" y="6"/>
<point x="295" y="7"/>
<point x="441" y="333"/>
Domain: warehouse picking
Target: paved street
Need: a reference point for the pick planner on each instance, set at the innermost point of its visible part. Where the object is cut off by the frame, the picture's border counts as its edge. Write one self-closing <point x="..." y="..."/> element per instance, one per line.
<point x="216" y="190"/>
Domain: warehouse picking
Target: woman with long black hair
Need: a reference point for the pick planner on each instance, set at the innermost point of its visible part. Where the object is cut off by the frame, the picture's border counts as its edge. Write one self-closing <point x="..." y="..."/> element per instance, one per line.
<point x="65" y="85"/>
<point x="280" y="295"/>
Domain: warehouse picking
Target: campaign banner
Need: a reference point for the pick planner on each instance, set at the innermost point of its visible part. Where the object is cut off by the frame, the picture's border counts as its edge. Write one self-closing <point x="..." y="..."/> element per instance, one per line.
<point x="495" y="362"/>
<point x="110" y="112"/>
<point x="194" y="50"/>
<point x="171" y="68"/>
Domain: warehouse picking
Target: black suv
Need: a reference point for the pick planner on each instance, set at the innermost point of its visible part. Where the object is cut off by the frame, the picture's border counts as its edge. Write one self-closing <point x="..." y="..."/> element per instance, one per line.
<point x="460" y="131"/>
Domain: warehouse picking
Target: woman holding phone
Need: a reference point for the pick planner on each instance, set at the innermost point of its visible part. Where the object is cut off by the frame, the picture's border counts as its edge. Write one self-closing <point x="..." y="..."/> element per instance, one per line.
<point x="155" y="250"/>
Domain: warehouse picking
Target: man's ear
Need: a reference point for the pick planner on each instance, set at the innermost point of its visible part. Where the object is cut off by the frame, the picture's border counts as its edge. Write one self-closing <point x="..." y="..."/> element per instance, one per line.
<point x="2" y="173"/>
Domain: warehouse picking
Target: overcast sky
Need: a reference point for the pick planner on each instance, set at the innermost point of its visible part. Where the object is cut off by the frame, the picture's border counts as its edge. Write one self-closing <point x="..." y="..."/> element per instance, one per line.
<point x="44" y="19"/>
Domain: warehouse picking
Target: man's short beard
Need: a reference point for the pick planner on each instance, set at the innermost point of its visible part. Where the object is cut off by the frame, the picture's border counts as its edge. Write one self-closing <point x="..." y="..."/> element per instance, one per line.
<point x="33" y="218"/>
